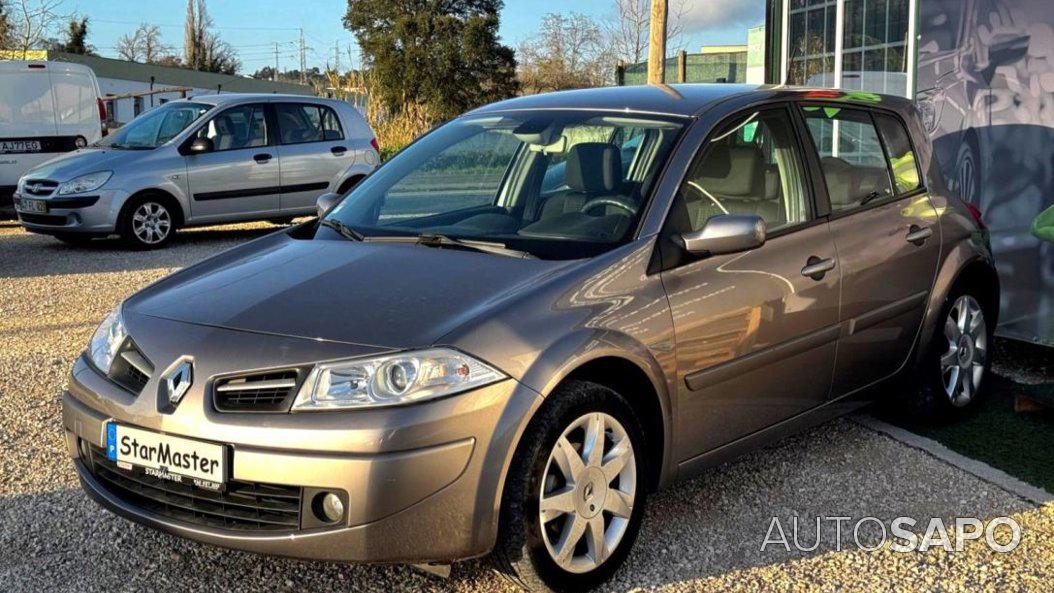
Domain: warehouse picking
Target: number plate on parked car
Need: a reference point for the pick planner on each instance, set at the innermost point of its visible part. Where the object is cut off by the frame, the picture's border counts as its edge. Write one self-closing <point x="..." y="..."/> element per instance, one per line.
<point x="167" y="457"/>
<point x="19" y="146"/>
<point x="27" y="205"/>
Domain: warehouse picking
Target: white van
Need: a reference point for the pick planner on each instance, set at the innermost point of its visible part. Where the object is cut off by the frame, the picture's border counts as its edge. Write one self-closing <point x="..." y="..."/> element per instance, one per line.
<point x="46" y="108"/>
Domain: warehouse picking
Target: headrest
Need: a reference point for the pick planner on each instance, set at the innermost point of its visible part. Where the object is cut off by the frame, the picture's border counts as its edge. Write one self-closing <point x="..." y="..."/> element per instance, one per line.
<point x="734" y="171"/>
<point x="593" y="167"/>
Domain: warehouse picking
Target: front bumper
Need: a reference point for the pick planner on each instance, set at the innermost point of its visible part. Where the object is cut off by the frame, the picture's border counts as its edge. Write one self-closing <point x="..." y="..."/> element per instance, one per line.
<point x="99" y="217"/>
<point x="423" y="483"/>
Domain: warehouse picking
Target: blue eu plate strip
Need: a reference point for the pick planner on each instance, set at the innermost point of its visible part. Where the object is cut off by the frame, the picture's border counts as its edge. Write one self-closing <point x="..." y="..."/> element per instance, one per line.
<point x="111" y="441"/>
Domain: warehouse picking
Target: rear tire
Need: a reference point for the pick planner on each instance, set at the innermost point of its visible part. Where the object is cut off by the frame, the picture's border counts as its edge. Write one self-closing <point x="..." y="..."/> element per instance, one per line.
<point x="147" y="222"/>
<point x="954" y="371"/>
<point x="593" y="498"/>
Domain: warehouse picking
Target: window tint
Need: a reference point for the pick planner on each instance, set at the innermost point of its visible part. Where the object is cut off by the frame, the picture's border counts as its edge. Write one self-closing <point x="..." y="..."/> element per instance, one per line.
<point x="854" y="166"/>
<point x="303" y="122"/>
<point x="238" y="127"/>
<point x="901" y="156"/>
<point x="753" y="166"/>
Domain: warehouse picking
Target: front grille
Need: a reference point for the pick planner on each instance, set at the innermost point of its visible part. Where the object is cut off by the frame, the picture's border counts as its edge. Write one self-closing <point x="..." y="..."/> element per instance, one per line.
<point x="46" y="219"/>
<point x="241" y="506"/>
<point x="130" y="369"/>
<point x="39" y="187"/>
<point x="262" y="392"/>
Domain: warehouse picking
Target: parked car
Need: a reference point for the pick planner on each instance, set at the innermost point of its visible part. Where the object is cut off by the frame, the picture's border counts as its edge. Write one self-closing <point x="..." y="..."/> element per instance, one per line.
<point x="452" y="362"/>
<point x="207" y="160"/>
<point x="46" y="109"/>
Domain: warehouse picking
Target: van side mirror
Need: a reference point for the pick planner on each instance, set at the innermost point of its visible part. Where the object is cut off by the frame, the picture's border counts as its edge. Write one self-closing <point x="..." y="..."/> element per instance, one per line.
<point x="201" y="146"/>
<point x="727" y="233"/>
<point x="325" y="202"/>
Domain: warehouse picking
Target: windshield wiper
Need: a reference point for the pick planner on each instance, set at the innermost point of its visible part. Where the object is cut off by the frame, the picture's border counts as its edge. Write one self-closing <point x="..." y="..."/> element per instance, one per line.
<point x="436" y="240"/>
<point x="345" y="231"/>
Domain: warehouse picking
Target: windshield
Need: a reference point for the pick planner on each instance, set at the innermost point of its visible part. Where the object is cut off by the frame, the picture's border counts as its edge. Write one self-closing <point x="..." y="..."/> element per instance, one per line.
<point x="555" y="185"/>
<point x="155" y="127"/>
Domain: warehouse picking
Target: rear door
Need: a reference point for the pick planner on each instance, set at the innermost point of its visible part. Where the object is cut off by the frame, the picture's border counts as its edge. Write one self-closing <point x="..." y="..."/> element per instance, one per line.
<point x="755" y="337"/>
<point x="313" y="150"/>
<point x="885" y="229"/>
<point x="239" y="178"/>
<point x="27" y="122"/>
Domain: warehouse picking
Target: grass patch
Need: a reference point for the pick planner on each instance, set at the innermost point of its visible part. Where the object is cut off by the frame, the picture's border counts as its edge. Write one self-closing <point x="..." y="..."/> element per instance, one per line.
<point x="1021" y="444"/>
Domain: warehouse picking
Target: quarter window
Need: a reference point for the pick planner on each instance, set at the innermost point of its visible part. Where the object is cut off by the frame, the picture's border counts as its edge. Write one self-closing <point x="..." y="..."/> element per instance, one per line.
<point x="304" y="122"/>
<point x="901" y="156"/>
<point x="851" y="156"/>
<point x="238" y="127"/>
<point x="751" y="166"/>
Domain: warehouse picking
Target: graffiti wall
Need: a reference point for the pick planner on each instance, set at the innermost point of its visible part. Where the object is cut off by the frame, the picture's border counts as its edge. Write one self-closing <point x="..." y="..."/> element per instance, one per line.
<point x="985" y="87"/>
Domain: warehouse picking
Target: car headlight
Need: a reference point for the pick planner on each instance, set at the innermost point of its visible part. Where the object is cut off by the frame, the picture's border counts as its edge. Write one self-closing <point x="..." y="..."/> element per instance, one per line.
<point x="107" y="340"/>
<point x="89" y="182"/>
<point x="392" y="380"/>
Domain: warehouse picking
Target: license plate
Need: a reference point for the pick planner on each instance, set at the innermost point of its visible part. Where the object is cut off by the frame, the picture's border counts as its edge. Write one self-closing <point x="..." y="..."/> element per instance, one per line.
<point x="27" y="205"/>
<point x="167" y="457"/>
<point x="19" y="146"/>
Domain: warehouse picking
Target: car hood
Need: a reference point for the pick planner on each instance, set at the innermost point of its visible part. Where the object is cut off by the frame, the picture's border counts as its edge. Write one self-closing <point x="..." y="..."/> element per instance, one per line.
<point x="385" y="295"/>
<point x="83" y="161"/>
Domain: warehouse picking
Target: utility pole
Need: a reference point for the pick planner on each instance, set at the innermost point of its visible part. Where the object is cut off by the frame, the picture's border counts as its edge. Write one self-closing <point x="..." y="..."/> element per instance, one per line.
<point x="336" y="57"/>
<point x="274" y="75"/>
<point x="657" y="43"/>
<point x="303" y="58"/>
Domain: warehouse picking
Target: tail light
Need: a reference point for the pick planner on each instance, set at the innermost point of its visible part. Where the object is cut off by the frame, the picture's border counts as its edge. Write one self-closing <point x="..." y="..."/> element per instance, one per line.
<point x="375" y="145"/>
<point x="975" y="212"/>
<point x="102" y="117"/>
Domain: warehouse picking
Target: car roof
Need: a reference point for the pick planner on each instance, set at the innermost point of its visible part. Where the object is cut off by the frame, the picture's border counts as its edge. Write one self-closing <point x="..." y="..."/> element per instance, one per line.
<point x="683" y="100"/>
<point x="228" y="98"/>
<point x="37" y="66"/>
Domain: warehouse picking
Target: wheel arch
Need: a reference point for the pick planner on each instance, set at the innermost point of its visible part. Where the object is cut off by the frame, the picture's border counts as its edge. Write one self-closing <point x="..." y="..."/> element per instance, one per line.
<point x="174" y="205"/>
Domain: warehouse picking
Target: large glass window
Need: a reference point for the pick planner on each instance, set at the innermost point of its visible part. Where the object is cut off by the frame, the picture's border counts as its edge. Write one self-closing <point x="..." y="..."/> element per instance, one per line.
<point x="812" y="36"/>
<point x="874" y="46"/>
<point x="751" y="167"/>
<point x="851" y="156"/>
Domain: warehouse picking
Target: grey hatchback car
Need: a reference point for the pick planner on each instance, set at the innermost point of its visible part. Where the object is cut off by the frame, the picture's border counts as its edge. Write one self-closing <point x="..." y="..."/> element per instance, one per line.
<point x="208" y="160"/>
<point x="507" y="336"/>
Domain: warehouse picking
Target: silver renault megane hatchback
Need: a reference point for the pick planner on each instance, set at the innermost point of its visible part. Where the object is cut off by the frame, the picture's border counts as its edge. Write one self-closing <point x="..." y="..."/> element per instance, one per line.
<point x="503" y="339"/>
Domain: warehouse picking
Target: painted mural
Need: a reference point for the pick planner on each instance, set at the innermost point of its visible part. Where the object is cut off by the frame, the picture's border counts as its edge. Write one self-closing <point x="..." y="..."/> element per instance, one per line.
<point x="985" y="88"/>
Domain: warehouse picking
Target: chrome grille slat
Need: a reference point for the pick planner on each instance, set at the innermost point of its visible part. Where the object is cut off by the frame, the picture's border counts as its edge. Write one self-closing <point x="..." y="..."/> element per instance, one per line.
<point x="260" y="392"/>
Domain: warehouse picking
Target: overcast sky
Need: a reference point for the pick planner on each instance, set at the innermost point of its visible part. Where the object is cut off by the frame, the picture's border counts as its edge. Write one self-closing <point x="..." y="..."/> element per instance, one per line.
<point x="254" y="26"/>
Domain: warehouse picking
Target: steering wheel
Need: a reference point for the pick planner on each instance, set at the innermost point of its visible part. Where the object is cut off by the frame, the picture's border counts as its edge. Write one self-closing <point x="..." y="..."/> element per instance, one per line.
<point x="616" y="201"/>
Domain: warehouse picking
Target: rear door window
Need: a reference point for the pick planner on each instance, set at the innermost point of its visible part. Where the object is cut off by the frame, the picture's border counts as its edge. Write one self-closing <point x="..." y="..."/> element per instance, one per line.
<point x="901" y="155"/>
<point x="851" y="156"/>
<point x="307" y="122"/>
<point x="25" y="98"/>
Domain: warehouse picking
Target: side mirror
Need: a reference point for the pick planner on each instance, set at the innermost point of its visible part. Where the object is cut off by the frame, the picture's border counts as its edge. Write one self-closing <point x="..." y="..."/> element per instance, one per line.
<point x="201" y="146"/>
<point x="728" y="233"/>
<point x="325" y="202"/>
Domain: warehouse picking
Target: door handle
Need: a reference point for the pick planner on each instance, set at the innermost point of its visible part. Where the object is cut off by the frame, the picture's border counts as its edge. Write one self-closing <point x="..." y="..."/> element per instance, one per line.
<point x="263" y="157"/>
<point x="817" y="267"/>
<point x="338" y="150"/>
<point x="918" y="235"/>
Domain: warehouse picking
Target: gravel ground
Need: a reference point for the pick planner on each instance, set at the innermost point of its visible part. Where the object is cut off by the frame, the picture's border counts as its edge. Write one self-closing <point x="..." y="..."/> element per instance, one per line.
<point x="703" y="535"/>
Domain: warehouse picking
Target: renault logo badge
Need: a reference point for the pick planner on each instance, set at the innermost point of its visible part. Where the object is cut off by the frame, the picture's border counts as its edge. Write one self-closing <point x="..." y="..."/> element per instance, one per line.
<point x="178" y="381"/>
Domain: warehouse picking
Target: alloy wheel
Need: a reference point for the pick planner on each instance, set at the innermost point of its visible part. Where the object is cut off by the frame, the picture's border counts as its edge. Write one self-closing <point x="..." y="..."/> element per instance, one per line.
<point x="587" y="492"/>
<point x="151" y="223"/>
<point x="963" y="362"/>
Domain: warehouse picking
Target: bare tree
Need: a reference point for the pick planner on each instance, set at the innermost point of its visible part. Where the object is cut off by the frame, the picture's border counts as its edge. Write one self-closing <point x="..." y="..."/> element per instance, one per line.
<point x="31" y="22"/>
<point x="568" y="52"/>
<point x="143" y="45"/>
<point x="203" y="49"/>
<point x="5" y="25"/>
<point x="627" y="29"/>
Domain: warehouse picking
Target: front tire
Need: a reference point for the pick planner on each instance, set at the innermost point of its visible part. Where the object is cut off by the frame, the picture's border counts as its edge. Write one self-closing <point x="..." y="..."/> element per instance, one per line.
<point x="575" y="495"/>
<point x="146" y="223"/>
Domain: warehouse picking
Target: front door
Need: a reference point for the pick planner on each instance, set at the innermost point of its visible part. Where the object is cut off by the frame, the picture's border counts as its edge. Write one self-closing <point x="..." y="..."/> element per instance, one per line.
<point x="886" y="232"/>
<point x="313" y="151"/>
<point x="755" y="337"/>
<point x="239" y="177"/>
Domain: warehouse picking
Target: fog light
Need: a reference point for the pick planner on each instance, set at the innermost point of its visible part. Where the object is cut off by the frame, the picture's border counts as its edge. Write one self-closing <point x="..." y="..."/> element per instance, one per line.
<point x="328" y="507"/>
